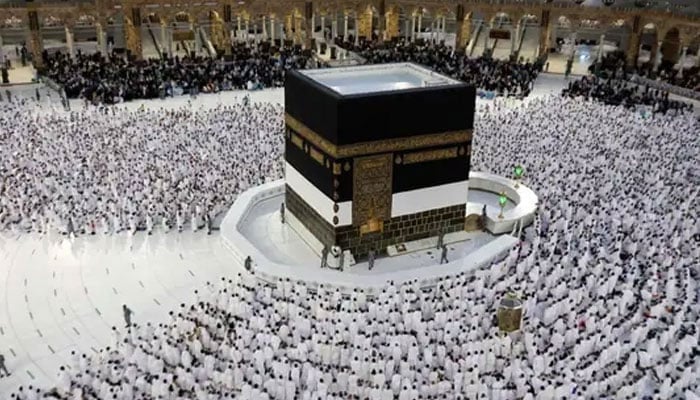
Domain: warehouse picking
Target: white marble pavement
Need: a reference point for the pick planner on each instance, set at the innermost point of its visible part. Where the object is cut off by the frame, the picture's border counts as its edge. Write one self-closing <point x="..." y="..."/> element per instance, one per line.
<point x="61" y="294"/>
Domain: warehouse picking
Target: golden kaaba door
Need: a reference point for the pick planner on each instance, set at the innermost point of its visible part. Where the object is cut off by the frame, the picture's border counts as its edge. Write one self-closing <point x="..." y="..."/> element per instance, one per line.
<point x="371" y="198"/>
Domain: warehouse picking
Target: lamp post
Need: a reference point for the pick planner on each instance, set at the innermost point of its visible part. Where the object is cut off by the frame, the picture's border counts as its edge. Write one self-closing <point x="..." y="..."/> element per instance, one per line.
<point x="502" y="200"/>
<point x="518" y="171"/>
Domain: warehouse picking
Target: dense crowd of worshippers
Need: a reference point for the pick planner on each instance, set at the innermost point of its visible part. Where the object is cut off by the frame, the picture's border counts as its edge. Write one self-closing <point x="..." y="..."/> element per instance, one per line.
<point x="608" y="274"/>
<point x="258" y="66"/>
<point x="503" y="77"/>
<point x="97" y="79"/>
<point x="630" y="95"/>
<point x="111" y="170"/>
<point x="613" y="64"/>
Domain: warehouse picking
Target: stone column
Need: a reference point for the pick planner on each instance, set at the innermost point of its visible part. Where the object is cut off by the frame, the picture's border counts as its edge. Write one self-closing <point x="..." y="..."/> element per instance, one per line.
<point x="2" y="54"/>
<point x="463" y="24"/>
<point x="600" y="47"/>
<point x="545" y="34"/>
<point x="98" y="36"/>
<point x="36" y="45"/>
<point x="323" y="26"/>
<point x="171" y="51"/>
<point x="443" y="29"/>
<point x="357" y="30"/>
<point x="420" y="23"/>
<point x="572" y="39"/>
<point x="272" y="29"/>
<point x="308" y="26"/>
<point x="101" y="40"/>
<point x="682" y="61"/>
<point x="70" y="45"/>
<point x="633" y="42"/>
<point x="653" y="52"/>
<point x="334" y="26"/>
<point x="364" y="26"/>
<point x="391" y="21"/>
<point x="313" y="23"/>
<point x="487" y="32"/>
<point x="413" y="28"/>
<point x="164" y="38"/>
<point x="514" y="39"/>
<point x="407" y="29"/>
<point x="633" y="49"/>
<point x="239" y="32"/>
<point x="659" y="55"/>
<point x="288" y="26"/>
<point x="197" y="39"/>
<point x="132" y="32"/>
<point x="345" y="27"/>
<point x="247" y="29"/>
<point x="299" y="31"/>
<point x="264" y="28"/>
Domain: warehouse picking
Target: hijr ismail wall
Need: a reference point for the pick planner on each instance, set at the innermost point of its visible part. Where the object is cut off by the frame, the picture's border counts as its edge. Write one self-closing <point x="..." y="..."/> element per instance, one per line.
<point x="366" y="171"/>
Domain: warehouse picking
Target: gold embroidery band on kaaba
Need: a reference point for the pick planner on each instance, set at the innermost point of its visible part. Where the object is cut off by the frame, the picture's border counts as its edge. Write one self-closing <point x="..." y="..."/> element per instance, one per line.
<point x="429" y="155"/>
<point x="298" y="141"/>
<point x="379" y="146"/>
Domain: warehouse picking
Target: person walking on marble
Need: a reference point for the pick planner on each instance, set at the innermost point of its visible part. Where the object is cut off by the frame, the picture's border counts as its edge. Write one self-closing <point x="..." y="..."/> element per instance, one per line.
<point x="3" y="368"/>
<point x="440" y="239"/>
<point x="370" y="259"/>
<point x="127" y="315"/>
<point x="324" y="257"/>
<point x="443" y="255"/>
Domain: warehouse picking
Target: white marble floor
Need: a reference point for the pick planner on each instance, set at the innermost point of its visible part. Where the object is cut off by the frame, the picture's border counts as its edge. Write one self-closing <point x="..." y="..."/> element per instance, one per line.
<point x="18" y="73"/>
<point x="61" y="294"/>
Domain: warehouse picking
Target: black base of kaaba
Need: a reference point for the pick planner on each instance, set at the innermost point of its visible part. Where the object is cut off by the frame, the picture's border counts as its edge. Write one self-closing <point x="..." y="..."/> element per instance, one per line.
<point x="405" y="228"/>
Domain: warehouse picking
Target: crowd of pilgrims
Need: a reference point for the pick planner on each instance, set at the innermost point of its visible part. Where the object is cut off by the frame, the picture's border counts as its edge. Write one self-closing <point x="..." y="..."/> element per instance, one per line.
<point x="97" y="79"/>
<point x="614" y="91"/>
<point x="108" y="170"/>
<point x="608" y="271"/>
<point x="504" y="77"/>
<point x="614" y="64"/>
<point x="257" y="66"/>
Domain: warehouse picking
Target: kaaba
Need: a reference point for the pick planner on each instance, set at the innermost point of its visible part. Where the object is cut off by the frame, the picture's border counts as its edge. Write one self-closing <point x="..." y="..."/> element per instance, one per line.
<point x="377" y="155"/>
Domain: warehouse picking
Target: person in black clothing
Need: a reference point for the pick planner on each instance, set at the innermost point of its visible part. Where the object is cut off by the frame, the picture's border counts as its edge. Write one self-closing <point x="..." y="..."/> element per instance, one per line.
<point x="3" y="368"/>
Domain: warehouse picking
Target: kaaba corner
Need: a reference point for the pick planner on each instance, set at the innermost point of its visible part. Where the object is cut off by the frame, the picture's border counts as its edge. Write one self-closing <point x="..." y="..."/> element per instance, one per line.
<point x="377" y="155"/>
